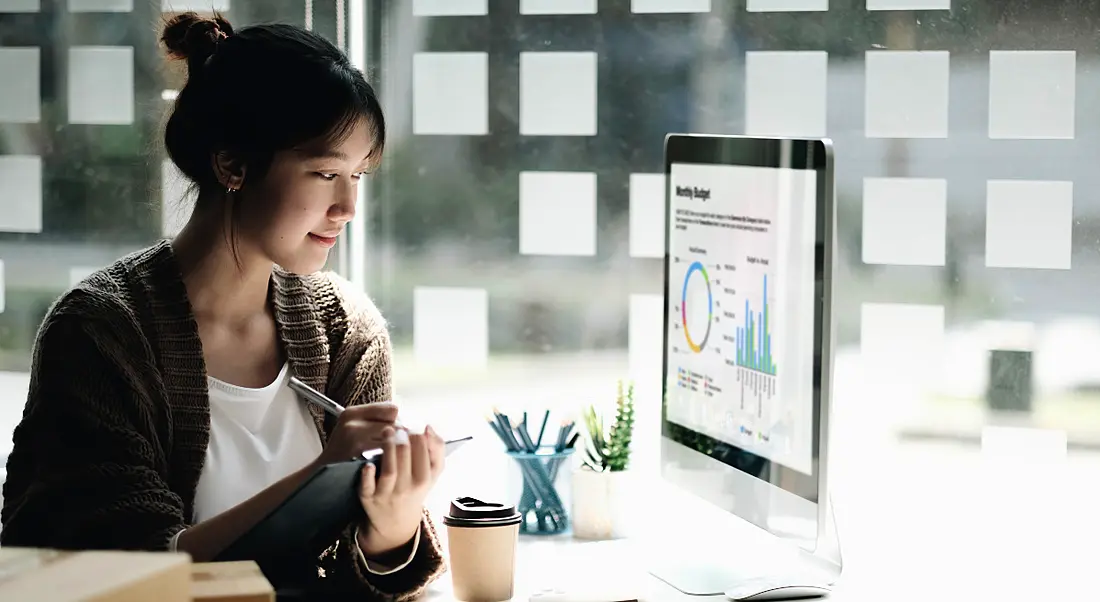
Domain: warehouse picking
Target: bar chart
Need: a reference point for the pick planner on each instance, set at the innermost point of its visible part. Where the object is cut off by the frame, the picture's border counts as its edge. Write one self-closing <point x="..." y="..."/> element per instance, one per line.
<point x="754" y="338"/>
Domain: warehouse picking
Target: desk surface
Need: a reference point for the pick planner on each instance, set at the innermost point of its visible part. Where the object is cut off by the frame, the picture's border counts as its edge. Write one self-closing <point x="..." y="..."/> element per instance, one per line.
<point x="554" y="562"/>
<point x="611" y="567"/>
<point x="562" y="562"/>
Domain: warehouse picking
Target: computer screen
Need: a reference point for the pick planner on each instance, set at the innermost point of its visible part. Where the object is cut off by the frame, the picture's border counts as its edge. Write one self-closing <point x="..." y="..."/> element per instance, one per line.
<point x="743" y="334"/>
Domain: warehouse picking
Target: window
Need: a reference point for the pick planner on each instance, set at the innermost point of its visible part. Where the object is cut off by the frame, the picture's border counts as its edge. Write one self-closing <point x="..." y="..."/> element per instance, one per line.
<point x="516" y="233"/>
<point x="514" y="236"/>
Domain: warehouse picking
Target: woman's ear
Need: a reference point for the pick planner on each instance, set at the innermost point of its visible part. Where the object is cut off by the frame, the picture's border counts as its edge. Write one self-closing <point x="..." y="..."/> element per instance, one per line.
<point x="229" y="171"/>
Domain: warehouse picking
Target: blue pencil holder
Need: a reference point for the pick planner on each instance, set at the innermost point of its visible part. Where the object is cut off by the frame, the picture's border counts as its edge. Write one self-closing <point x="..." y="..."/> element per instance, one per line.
<point x="544" y="499"/>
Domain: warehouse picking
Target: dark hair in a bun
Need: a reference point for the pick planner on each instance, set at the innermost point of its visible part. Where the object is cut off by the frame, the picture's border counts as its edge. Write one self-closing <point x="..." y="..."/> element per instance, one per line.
<point x="255" y="92"/>
<point x="194" y="38"/>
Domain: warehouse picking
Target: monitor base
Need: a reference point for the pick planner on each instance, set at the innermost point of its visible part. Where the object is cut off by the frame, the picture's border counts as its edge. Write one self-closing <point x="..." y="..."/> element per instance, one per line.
<point x="704" y="577"/>
<point x="741" y="574"/>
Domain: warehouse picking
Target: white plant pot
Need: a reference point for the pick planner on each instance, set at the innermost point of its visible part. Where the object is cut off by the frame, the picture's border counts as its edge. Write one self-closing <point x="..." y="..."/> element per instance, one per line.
<point x="601" y="502"/>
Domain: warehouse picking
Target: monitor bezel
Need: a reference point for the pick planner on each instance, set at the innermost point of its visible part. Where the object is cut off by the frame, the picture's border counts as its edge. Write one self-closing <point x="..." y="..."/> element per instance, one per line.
<point x="772" y="152"/>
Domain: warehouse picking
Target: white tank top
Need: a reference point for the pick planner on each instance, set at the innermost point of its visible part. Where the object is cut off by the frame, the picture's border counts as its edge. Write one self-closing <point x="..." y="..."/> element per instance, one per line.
<point x="257" y="436"/>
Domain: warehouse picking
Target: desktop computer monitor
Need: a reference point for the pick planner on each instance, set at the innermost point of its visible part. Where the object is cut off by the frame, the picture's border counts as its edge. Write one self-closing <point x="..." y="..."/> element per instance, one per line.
<point x="747" y="338"/>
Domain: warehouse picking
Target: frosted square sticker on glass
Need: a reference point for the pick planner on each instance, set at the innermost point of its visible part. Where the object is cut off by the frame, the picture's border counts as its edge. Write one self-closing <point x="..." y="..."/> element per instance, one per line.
<point x="900" y="337"/>
<point x="904" y="221"/>
<point x="907" y="93"/>
<point x="908" y="4"/>
<point x="450" y="8"/>
<point x="20" y="97"/>
<point x="557" y="93"/>
<point x="199" y="6"/>
<point x="1029" y="224"/>
<point x="101" y="6"/>
<point x="783" y="6"/>
<point x="647" y="215"/>
<point x="1032" y="94"/>
<point x="101" y="85"/>
<point x="20" y="6"/>
<point x="558" y="7"/>
<point x="670" y="6"/>
<point x="21" y="178"/>
<point x="451" y="93"/>
<point x="451" y="326"/>
<point x="785" y="93"/>
<point x="557" y="213"/>
<point x="1023" y="444"/>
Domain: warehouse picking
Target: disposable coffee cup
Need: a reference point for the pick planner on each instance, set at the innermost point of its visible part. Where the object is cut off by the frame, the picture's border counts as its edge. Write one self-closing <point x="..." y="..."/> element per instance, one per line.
<point x="481" y="540"/>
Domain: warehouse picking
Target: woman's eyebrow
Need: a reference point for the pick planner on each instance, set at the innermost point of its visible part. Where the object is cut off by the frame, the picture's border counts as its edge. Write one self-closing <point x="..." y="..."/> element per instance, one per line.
<point x="325" y="153"/>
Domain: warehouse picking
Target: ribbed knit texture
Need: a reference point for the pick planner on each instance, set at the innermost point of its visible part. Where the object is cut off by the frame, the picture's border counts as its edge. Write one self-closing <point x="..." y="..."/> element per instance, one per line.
<point x="117" y="420"/>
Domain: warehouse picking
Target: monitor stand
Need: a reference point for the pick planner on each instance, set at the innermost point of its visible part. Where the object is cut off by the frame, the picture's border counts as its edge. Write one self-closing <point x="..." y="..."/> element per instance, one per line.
<point x="704" y="577"/>
<point x="696" y="576"/>
<point x="740" y="574"/>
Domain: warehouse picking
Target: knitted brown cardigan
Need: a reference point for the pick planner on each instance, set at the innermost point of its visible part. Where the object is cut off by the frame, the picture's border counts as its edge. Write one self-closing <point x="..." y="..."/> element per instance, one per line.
<point x="115" y="429"/>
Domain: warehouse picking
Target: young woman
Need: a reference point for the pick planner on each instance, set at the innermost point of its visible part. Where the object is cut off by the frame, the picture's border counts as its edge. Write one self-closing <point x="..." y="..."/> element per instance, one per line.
<point x="159" y="416"/>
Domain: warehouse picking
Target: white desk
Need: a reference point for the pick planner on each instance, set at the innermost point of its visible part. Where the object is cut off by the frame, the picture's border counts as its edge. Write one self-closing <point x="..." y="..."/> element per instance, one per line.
<point x="555" y="562"/>
<point x="612" y="566"/>
<point x="562" y="561"/>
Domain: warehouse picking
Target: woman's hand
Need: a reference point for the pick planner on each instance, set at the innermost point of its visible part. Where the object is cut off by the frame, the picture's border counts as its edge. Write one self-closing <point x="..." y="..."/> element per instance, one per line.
<point x="360" y="428"/>
<point x="393" y="497"/>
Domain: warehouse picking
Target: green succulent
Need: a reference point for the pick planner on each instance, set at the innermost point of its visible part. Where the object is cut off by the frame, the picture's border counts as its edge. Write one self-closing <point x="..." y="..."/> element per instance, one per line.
<point x="608" y="449"/>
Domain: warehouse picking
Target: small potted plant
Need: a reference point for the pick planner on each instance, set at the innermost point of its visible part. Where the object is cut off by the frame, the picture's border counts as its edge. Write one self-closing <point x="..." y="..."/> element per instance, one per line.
<point x="602" y="483"/>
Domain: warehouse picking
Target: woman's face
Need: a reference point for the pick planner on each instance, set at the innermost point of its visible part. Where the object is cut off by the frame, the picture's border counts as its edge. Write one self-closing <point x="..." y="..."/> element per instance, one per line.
<point x="299" y="209"/>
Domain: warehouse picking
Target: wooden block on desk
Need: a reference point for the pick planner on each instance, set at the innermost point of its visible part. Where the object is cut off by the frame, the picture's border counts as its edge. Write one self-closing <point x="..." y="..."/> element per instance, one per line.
<point x="240" y="581"/>
<point x="93" y="576"/>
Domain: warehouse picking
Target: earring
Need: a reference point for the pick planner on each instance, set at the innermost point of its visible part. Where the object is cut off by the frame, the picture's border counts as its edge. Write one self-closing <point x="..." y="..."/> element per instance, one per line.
<point x="230" y="190"/>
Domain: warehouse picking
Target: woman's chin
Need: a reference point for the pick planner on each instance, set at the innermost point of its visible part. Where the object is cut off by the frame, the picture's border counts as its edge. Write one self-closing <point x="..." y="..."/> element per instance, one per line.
<point x="305" y="262"/>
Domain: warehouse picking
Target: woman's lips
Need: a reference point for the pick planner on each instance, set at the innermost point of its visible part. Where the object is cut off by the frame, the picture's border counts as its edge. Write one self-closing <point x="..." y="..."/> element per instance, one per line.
<point x="325" y="241"/>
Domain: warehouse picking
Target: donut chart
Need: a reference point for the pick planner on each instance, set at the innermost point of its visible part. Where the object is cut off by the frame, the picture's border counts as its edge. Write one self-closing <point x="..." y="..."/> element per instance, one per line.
<point x="702" y="341"/>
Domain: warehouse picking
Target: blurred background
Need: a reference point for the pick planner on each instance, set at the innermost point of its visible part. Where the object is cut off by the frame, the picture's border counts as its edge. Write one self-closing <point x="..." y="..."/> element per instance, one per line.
<point x="514" y="234"/>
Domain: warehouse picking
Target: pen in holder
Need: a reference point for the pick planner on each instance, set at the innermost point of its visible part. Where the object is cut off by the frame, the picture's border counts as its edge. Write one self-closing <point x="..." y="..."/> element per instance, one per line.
<point x="544" y="512"/>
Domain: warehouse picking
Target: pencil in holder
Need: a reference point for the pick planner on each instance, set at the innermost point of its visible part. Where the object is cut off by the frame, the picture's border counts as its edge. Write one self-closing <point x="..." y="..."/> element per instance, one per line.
<point x="543" y="501"/>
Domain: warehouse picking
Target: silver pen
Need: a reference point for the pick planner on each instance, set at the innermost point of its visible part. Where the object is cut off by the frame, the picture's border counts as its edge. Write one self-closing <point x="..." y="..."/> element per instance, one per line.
<point x="315" y="396"/>
<point x="327" y="404"/>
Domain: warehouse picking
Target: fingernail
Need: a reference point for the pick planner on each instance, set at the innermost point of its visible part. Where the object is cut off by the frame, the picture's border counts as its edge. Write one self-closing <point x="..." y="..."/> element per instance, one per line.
<point x="428" y="430"/>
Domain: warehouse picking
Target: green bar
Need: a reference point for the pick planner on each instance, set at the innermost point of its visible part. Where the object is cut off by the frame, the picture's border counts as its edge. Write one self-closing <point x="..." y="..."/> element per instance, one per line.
<point x="752" y="344"/>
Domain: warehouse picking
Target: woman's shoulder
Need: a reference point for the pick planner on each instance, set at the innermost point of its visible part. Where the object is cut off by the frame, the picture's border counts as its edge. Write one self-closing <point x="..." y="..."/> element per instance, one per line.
<point x="108" y="301"/>
<point x="339" y="300"/>
<point x="107" y="294"/>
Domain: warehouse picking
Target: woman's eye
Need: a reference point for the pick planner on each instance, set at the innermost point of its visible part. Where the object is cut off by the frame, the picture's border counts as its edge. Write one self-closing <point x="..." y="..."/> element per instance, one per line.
<point x="358" y="175"/>
<point x="327" y="176"/>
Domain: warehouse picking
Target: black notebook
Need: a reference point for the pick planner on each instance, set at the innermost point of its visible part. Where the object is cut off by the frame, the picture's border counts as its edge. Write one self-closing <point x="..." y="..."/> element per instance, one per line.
<point x="311" y="518"/>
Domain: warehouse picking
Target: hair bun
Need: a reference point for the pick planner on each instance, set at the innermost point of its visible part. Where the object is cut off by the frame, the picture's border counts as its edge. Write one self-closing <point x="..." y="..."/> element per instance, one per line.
<point x="193" y="37"/>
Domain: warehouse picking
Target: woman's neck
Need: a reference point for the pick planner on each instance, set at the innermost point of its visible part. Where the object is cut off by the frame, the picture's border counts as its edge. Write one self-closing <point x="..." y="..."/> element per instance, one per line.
<point x="227" y="286"/>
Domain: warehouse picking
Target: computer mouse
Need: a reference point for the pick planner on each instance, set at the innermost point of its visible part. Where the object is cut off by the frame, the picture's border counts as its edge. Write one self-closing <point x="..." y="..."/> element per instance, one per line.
<point x="780" y="592"/>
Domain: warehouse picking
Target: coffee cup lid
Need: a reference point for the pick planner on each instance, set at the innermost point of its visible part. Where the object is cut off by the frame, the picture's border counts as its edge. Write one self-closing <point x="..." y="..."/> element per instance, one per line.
<point x="472" y="512"/>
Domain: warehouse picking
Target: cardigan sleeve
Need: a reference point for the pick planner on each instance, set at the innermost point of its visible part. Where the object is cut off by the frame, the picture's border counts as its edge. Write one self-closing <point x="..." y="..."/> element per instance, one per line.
<point x="86" y="468"/>
<point x="361" y="373"/>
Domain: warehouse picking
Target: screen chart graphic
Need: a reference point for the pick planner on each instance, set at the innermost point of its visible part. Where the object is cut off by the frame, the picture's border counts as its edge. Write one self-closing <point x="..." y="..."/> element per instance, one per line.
<point x="699" y="271"/>
<point x="724" y="314"/>
<point x="735" y="365"/>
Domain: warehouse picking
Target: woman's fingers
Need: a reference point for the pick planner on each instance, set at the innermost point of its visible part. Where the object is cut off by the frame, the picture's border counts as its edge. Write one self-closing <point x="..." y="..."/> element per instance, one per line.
<point x="367" y="481"/>
<point x="373" y="412"/>
<point x="403" y="460"/>
<point x="387" y="477"/>
<point x="420" y="461"/>
<point x="436" y="451"/>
